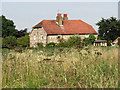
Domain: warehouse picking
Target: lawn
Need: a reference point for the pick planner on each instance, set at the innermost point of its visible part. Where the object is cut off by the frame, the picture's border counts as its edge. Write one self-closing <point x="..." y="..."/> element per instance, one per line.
<point x="91" y="67"/>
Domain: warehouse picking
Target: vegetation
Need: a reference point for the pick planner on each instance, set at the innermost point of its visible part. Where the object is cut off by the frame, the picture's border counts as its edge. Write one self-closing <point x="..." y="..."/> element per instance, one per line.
<point x="23" y="41"/>
<point x="89" y="40"/>
<point x="61" y="67"/>
<point x="67" y="64"/>
<point x="9" y="42"/>
<point x="109" y="29"/>
<point x="40" y="45"/>
<point x="51" y="44"/>
<point x="12" y="37"/>
<point x="8" y="27"/>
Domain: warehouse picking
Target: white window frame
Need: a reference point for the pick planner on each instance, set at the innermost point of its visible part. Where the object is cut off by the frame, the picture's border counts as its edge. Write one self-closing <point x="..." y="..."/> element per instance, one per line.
<point x="34" y="38"/>
<point x="87" y="36"/>
<point x="41" y="37"/>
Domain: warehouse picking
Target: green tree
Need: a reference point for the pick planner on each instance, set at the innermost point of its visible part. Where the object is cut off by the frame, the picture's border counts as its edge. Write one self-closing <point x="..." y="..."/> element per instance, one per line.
<point x="9" y="42"/>
<point x="89" y="40"/>
<point x="22" y="33"/>
<point x="40" y="45"/>
<point x="8" y="27"/>
<point x="23" y="41"/>
<point x="109" y="29"/>
<point x="74" y="41"/>
<point x="51" y="44"/>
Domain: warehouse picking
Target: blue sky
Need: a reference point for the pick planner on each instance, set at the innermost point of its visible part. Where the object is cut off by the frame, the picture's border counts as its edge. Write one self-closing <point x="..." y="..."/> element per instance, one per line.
<point x="27" y="14"/>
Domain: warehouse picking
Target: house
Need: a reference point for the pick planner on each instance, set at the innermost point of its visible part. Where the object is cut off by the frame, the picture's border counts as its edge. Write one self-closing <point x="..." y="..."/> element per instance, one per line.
<point x="100" y="43"/>
<point x="51" y="30"/>
<point x="115" y="41"/>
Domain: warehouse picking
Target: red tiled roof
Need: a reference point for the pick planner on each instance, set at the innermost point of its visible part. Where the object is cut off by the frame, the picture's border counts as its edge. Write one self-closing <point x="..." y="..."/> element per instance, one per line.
<point x="69" y="27"/>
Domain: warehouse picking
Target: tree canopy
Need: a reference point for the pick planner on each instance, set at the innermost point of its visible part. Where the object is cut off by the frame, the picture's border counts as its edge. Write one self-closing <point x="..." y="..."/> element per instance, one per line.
<point x="8" y="27"/>
<point x="12" y="37"/>
<point x="109" y="29"/>
<point x="89" y="40"/>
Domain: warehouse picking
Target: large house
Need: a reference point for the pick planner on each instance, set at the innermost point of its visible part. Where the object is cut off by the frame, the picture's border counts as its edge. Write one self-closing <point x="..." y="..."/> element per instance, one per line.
<point x="51" y="30"/>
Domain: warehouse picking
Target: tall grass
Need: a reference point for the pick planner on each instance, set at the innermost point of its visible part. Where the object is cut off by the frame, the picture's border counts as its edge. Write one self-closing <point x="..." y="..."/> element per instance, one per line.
<point x="61" y="68"/>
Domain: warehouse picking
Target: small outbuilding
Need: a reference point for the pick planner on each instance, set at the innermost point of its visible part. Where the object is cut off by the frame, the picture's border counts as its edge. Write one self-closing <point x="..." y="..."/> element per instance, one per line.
<point x="100" y="43"/>
<point x="115" y="41"/>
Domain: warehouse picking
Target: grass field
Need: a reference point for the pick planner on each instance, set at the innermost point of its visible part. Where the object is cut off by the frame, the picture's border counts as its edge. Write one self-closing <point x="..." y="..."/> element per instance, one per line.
<point x="95" y="67"/>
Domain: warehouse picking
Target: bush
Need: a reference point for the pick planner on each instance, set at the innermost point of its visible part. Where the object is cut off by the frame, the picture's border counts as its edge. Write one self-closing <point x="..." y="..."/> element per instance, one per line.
<point x="62" y="43"/>
<point x="23" y="41"/>
<point x="74" y="41"/>
<point x="9" y="42"/>
<point x="40" y="45"/>
<point x="90" y="40"/>
<point x="71" y="42"/>
<point x="51" y="44"/>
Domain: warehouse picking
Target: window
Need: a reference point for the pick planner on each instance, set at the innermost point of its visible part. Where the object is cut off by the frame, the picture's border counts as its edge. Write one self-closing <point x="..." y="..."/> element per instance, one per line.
<point x="76" y="35"/>
<point x="87" y="35"/>
<point x="34" y="38"/>
<point x="41" y="37"/>
<point x="59" y="36"/>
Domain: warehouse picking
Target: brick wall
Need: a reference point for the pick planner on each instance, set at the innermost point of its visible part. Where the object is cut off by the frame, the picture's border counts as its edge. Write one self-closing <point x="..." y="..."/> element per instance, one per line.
<point x="37" y="36"/>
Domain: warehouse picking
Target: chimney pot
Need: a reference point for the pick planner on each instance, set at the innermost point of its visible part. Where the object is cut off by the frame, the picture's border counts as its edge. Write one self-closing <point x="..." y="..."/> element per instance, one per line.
<point x="58" y="14"/>
<point x="65" y="15"/>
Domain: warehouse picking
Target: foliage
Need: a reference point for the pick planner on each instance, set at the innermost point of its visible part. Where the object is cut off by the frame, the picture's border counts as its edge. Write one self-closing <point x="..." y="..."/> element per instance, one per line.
<point x="9" y="42"/>
<point x="74" y="41"/>
<point x="71" y="69"/>
<point x="22" y="33"/>
<point x="109" y="29"/>
<point x="62" y="43"/>
<point x="23" y="41"/>
<point x="8" y="27"/>
<point x="51" y="44"/>
<point x="0" y="26"/>
<point x="40" y="45"/>
<point x="89" y="40"/>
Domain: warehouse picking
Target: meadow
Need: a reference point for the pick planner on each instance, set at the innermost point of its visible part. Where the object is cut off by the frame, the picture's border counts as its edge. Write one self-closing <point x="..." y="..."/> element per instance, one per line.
<point x="89" y="67"/>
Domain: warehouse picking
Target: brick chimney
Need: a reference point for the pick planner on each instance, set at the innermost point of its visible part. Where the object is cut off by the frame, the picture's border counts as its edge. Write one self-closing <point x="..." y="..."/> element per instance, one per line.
<point x="65" y="17"/>
<point x="59" y="19"/>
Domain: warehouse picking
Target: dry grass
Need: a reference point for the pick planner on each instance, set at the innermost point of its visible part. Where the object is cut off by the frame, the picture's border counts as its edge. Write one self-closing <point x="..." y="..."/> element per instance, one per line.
<point x="61" y="68"/>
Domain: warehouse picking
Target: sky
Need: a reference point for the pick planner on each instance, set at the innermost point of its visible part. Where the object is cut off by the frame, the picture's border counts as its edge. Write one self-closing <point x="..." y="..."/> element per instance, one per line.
<point x="28" y="14"/>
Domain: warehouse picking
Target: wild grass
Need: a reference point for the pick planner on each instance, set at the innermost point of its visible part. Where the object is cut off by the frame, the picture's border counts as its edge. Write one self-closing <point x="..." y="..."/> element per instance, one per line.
<point x="65" y="67"/>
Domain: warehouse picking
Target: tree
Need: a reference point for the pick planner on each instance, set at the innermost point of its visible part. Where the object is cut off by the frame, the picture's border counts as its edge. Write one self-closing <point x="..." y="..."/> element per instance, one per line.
<point x="89" y="40"/>
<point x="23" y="41"/>
<point x="8" y="27"/>
<point x="40" y="45"/>
<point x="22" y="33"/>
<point x="9" y="42"/>
<point x="109" y="29"/>
<point x="74" y="41"/>
<point x="51" y="44"/>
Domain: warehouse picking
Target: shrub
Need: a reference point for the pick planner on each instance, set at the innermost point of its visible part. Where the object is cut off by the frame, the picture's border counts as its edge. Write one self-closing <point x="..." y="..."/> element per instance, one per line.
<point x="90" y="40"/>
<point x="62" y="43"/>
<point x="51" y="44"/>
<point x="9" y="42"/>
<point x="40" y="45"/>
<point x="23" y="41"/>
<point x="74" y="41"/>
